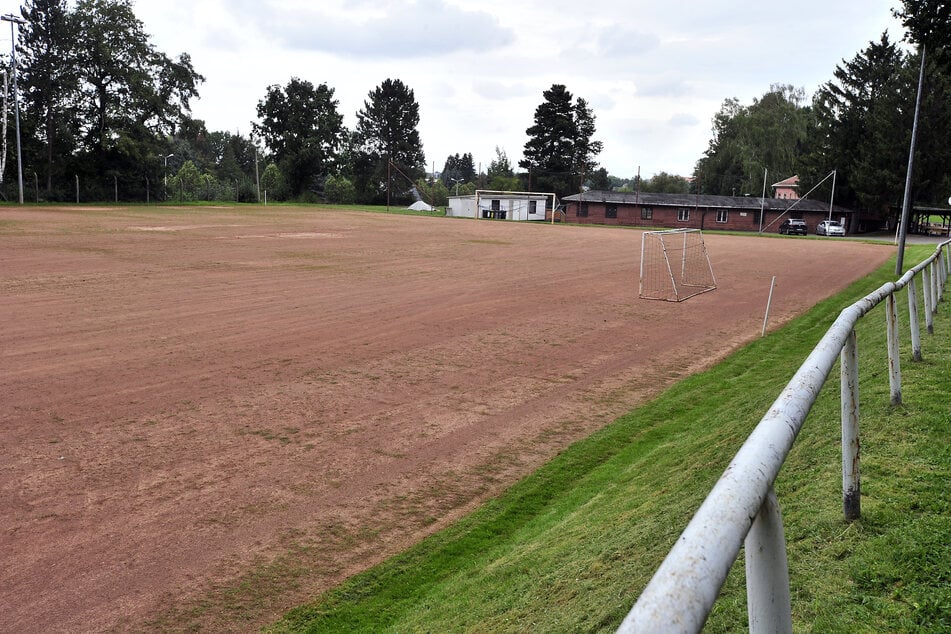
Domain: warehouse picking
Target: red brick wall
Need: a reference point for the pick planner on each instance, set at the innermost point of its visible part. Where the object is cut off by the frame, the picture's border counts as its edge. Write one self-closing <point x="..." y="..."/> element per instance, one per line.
<point x="666" y="218"/>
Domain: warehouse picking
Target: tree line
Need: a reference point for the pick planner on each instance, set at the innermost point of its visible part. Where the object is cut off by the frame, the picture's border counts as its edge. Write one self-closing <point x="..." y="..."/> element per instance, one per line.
<point x="105" y="114"/>
<point x="857" y="125"/>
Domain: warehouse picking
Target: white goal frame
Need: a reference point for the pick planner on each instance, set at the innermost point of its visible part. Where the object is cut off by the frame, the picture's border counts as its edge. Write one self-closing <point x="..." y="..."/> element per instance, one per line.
<point x="674" y="265"/>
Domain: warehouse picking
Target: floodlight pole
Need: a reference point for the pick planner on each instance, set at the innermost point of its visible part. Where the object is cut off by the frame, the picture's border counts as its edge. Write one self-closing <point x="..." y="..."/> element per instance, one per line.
<point x="16" y="94"/>
<point x="906" y="202"/>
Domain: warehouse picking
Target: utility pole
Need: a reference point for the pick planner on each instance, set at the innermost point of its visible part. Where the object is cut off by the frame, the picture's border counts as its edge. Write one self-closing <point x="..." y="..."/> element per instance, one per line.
<point x="906" y="202"/>
<point x="12" y="19"/>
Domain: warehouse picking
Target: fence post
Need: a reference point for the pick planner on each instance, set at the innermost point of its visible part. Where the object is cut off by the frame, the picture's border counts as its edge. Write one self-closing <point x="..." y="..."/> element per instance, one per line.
<point x="849" y="381"/>
<point x="928" y="285"/>
<point x="944" y="270"/>
<point x="936" y="286"/>
<point x="767" y="571"/>
<point x="894" y="362"/>
<point x="913" y="319"/>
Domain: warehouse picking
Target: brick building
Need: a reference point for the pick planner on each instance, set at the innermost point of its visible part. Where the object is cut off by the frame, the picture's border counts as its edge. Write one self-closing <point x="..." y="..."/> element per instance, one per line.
<point x="681" y="211"/>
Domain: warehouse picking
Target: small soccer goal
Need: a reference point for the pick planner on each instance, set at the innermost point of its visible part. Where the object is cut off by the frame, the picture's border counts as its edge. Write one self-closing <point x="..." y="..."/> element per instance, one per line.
<point x="674" y="265"/>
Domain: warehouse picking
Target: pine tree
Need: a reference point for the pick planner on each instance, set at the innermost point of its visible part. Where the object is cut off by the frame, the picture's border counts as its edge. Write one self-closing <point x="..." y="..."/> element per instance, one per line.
<point x="862" y="126"/>
<point x="387" y="134"/>
<point x="550" y="147"/>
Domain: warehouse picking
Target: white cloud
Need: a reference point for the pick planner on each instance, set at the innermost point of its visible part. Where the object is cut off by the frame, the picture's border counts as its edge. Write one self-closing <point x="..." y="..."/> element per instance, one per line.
<point x="655" y="73"/>
<point x="421" y="29"/>
<point x="682" y="119"/>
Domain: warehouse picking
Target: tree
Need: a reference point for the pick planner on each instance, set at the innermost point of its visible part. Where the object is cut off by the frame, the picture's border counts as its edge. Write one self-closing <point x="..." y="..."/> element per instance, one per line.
<point x="339" y="190"/>
<point x="303" y="130"/>
<point x="664" y="183"/>
<point x="187" y="180"/>
<point x="49" y="78"/>
<point x="272" y="182"/>
<point x="932" y="178"/>
<point x="928" y="23"/>
<point x="747" y="140"/>
<point x="500" y="165"/>
<point x="433" y="193"/>
<point x="560" y="148"/>
<point x="599" y="180"/>
<point x="130" y="94"/>
<point x="458" y="169"/>
<point x="862" y="127"/>
<point x="100" y="99"/>
<point x="500" y="175"/>
<point x="386" y="134"/>
<point x="585" y="149"/>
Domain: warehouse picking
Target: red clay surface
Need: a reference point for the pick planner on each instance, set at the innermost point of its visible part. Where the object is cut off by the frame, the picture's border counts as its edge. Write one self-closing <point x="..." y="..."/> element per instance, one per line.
<point x="187" y="395"/>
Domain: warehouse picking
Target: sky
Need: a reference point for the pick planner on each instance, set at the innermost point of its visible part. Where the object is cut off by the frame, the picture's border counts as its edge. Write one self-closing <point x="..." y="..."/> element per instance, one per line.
<point x="654" y="71"/>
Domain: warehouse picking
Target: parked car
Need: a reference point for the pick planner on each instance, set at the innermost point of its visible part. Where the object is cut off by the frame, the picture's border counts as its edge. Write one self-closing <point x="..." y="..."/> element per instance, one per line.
<point x="830" y="228"/>
<point x="793" y="226"/>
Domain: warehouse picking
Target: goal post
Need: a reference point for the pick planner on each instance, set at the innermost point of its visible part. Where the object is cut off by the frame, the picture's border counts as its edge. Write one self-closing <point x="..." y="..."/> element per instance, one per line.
<point x="674" y="265"/>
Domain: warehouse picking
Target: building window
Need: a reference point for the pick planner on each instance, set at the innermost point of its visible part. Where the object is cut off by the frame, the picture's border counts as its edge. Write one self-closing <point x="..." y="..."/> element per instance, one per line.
<point x="723" y="215"/>
<point x="683" y="215"/>
<point x="583" y="210"/>
<point x="610" y="211"/>
<point x="647" y="213"/>
<point x="533" y="206"/>
<point x="496" y="205"/>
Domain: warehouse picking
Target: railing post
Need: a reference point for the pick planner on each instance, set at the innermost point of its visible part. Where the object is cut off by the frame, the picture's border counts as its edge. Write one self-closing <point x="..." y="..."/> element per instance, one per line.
<point x="849" y="380"/>
<point x="935" y="287"/>
<point x="927" y="287"/>
<point x="913" y="320"/>
<point x="942" y="276"/>
<point x="767" y="571"/>
<point x="944" y="270"/>
<point x="894" y="362"/>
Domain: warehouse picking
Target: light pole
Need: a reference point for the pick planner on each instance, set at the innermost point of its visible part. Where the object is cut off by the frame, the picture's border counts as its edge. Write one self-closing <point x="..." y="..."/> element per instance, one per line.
<point x="457" y="181"/>
<point x="906" y="201"/>
<point x="16" y="93"/>
<point x="165" y="175"/>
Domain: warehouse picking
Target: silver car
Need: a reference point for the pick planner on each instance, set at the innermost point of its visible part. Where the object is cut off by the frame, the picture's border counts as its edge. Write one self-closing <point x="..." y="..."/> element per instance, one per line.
<point x="830" y="228"/>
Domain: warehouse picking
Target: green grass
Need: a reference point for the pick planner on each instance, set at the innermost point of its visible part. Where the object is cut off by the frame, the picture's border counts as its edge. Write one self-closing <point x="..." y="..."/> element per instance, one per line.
<point x="570" y="547"/>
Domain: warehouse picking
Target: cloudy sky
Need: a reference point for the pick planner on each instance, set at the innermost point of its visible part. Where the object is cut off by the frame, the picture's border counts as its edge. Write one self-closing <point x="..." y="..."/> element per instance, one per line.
<point x="654" y="71"/>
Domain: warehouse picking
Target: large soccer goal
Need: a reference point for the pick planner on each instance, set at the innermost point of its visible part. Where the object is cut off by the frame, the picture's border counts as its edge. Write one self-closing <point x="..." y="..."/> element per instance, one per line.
<point x="674" y="265"/>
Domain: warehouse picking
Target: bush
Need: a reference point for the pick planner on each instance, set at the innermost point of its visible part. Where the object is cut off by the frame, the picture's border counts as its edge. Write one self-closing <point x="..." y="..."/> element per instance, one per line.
<point x="340" y="190"/>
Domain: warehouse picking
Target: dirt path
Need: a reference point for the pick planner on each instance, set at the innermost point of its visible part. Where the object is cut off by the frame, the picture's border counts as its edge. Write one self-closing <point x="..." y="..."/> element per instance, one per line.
<point x="187" y="396"/>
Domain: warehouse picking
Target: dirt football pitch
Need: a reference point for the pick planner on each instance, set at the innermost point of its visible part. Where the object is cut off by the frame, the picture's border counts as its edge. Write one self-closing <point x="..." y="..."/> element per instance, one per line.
<point x="191" y="396"/>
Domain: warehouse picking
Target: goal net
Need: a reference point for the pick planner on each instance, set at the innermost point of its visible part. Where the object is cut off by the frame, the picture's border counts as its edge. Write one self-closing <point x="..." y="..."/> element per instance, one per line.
<point x="674" y="265"/>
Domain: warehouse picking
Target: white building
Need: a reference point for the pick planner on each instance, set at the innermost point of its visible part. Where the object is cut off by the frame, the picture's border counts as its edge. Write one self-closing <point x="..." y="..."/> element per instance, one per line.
<point x="499" y="205"/>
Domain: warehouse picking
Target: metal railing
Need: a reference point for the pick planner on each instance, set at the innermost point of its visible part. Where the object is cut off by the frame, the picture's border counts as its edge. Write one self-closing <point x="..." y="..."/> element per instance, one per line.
<point x="742" y="509"/>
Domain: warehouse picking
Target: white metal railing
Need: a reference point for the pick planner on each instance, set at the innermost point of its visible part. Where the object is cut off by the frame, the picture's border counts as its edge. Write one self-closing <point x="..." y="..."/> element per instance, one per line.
<point x="742" y="506"/>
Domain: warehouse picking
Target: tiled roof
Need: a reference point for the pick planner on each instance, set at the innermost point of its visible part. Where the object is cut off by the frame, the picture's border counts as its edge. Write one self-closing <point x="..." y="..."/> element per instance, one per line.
<point x="703" y="200"/>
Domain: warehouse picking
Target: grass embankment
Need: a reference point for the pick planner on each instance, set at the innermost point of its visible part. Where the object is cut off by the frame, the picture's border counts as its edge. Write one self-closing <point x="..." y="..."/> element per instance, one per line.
<point x="570" y="547"/>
